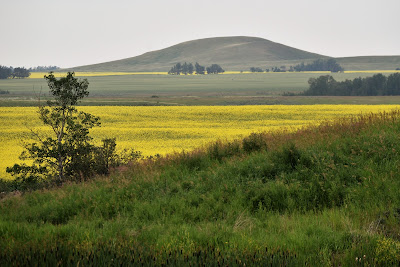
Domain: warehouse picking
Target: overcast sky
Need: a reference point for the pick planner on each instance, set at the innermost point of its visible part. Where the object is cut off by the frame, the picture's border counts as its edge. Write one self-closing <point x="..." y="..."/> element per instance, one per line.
<point x="73" y="33"/>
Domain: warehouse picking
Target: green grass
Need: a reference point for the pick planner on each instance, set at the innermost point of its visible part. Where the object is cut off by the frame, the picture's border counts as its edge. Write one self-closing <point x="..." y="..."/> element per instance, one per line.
<point x="325" y="196"/>
<point x="227" y="89"/>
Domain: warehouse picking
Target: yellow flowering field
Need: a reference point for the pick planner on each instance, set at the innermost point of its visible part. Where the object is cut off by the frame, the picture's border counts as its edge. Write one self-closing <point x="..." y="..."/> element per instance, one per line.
<point x="164" y="130"/>
<point x="40" y="75"/>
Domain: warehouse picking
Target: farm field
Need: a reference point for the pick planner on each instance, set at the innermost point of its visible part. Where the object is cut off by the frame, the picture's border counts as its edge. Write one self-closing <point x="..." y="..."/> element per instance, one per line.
<point x="126" y="89"/>
<point x="161" y="130"/>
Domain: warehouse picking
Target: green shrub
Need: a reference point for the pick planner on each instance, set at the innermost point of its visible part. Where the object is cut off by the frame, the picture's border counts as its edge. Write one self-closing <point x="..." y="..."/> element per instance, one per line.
<point x="254" y="142"/>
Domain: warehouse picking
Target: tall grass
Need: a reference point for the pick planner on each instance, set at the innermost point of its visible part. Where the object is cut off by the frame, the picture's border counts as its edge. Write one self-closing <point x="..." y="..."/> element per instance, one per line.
<point x="324" y="195"/>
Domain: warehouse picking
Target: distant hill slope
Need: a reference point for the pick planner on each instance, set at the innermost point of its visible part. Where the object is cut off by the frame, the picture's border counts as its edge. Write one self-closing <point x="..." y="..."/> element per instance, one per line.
<point x="370" y="62"/>
<point x="232" y="53"/>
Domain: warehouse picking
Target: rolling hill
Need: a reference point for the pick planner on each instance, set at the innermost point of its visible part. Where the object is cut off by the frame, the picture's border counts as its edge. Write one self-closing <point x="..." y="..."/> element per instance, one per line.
<point x="233" y="53"/>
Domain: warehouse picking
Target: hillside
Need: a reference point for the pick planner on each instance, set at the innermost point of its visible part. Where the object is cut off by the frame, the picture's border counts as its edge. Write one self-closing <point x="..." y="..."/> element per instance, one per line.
<point x="322" y="196"/>
<point x="233" y="53"/>
<point x="370" y="62"/>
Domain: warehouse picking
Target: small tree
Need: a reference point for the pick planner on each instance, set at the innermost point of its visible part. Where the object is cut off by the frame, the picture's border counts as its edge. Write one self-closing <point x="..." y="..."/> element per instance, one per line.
<point x="5" y="72"/>
<point x="199" y="69"/>
<point x="20" y="73"/>
<point x="214" y="69"/>
<point x="190" y="68"/>
<point x="68" y="153"/>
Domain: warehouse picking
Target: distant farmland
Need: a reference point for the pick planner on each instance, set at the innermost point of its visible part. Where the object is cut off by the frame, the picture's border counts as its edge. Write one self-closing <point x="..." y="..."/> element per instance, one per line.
<point x="116" y="88"/>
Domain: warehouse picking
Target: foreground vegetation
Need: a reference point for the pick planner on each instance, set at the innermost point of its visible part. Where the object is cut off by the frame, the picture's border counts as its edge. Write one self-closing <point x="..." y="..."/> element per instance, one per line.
<point x="324" y="195"/>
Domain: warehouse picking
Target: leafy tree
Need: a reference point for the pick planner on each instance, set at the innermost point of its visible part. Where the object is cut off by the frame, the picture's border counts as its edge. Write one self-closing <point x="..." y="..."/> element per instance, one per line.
<point x="176" y="69"/>
<point x="68" y="153"/>
<point x="199" y="69"/>
<point x="20" y="73"/>
<point x="214" y="69"/>
<point x="320" y="86"/>
<point x="185" y="68"/>
<point x="5" y="72"/>
<point x="190" y="68"/>
<point x="393" y="84"/>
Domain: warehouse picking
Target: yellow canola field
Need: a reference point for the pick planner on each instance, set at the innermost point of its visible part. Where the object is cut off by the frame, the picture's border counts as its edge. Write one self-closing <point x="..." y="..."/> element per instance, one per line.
<point x="40" y="75"/>
<point x="164" y="130"/>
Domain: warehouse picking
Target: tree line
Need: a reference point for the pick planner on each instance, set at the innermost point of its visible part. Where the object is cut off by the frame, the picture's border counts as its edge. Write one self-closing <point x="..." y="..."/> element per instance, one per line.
<point x="320" y="65"/>
<point x="189" y="68"/>
<point x="376" y="85"/>
<point x="43" y="68"/>
<point x="10" y="72"/>
<point x="317" y="65"/>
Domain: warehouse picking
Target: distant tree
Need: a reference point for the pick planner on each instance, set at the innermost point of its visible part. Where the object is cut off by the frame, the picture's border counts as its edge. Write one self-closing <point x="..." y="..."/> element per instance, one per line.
<point x="190" y="68"/>
<point x="185" y="68"/>
<point x="214" y="69"/>
<point x="20" y="73"/>
<point x="253" y="69"/>
<point x="176" y="69"/>
<point x="5" y="72"/>
<point x="393" y="84"/>
<point x="43" y="68"/>
<point x="321" y="85"/>
<point x="199" y="69"/>
<point x="276" y="69"/>
<point x="320" y="65"/>
<point x="376" y="85"/>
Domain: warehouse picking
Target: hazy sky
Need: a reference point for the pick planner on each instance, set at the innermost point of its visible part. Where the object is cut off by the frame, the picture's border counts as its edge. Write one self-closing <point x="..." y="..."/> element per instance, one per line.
<point x="72" y="33"/>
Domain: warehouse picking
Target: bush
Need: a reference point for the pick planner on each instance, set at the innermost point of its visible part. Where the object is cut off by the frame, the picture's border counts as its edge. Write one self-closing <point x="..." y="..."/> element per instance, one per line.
<point x="220" y="150"/>
<point x="254" y="142"/>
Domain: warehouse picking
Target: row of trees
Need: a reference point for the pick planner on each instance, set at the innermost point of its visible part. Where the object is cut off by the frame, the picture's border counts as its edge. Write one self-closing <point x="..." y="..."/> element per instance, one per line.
<point x="317" y="65"/>
<point x="376" y="85"/>
<point x="320" y="65"/>
<point x="43" y="68"/>
<point x="10" y="72"/>
<point x="188" y="68"/>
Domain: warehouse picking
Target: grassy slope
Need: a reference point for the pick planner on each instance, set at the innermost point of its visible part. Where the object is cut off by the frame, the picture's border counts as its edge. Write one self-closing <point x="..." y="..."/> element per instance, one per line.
<point x="323" y="195"/>
<point x="370" y="62"/>
<point x="235" y="53"/>
<point x="232" y="53"/>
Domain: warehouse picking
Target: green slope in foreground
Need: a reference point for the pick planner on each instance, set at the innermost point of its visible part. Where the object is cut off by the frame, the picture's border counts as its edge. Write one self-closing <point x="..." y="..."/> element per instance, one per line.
<point x="323" y="196"/>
